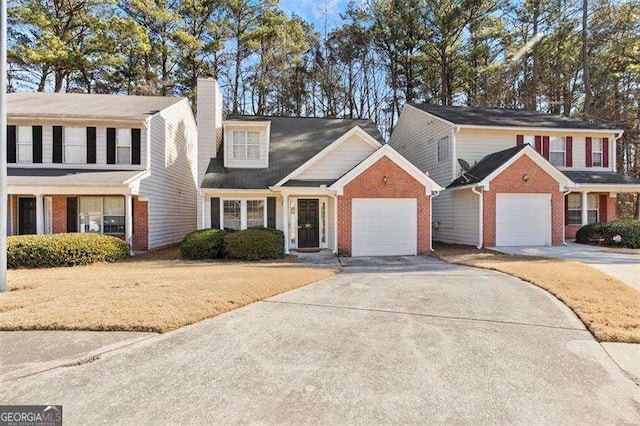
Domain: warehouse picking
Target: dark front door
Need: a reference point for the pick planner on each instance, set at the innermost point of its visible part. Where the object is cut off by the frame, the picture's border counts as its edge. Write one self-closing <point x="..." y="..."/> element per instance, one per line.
<point x="308" y="223"/>
<point x="26" y="216"/>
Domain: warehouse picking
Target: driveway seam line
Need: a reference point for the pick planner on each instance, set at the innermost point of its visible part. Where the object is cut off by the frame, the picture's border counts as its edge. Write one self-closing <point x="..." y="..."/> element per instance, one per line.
<point x="386" y="311"/>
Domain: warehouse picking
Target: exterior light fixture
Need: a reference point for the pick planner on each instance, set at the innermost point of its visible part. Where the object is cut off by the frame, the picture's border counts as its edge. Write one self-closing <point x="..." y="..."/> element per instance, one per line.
<point x="525" y="177"/>
<point x="385" y="179"/>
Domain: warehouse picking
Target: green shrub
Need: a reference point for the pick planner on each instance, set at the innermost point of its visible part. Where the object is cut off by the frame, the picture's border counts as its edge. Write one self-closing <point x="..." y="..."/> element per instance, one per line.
<point x="53" y="250"/>
<point x="255" y="244"/>
<point x="203" y="244"/>
<point x="620" y="233"/>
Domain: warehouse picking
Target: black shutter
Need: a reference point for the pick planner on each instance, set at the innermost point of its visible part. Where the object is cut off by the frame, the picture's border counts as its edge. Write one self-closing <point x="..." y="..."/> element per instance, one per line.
<point x="135" y="146"/>
<point x="111" y="145"/>
<point x="271" y="212"/>
<point x="57" y="144"/>
<point x="11" y="144"/>
<point x="91" y="145"/>
<point x="36" y="132"/>
<point x="215" y="213"/>
<point x="72" y="214"/>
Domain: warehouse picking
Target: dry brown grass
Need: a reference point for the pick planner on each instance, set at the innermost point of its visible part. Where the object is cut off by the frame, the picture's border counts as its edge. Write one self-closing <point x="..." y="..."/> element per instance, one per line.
<point x="152" y="293"/>
<point x="609" y="308"/>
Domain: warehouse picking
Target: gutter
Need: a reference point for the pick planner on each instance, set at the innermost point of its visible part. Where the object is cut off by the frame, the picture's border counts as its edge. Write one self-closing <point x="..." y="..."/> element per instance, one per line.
<point x="433" y="195"/>
<point x="614" y="149"/>
<point x="480" y="215"/>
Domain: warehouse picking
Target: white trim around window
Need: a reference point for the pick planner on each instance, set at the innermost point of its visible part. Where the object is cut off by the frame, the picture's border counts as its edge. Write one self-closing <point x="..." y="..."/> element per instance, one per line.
<point x="245" y="145"/>
<point x="74" y="145"/>
<point x="101" y="215"/>
<point x="230" y="205"/>
<point x="24" y="144"/>
<point x="558" y="151"/>
<point x="596" y="152"/>
<point x="444" y="149"/>
<point x="123" y="146"/>
<point x="574" y="208"/>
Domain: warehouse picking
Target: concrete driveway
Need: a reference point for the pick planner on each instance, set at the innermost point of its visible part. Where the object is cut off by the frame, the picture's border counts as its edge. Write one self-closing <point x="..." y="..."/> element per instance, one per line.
<point x="428" y="342"/>
<point x="623" y="266"/>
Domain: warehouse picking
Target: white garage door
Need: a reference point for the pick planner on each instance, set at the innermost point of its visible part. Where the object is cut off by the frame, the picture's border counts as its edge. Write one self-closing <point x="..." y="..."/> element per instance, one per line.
<point x="383" y="226"/>
<point x="523" y="219"/>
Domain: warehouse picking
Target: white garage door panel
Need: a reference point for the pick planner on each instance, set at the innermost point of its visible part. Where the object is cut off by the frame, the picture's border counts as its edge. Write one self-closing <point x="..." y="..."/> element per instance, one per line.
<point x="523" y="219"/>
<point x="383" y="227"/>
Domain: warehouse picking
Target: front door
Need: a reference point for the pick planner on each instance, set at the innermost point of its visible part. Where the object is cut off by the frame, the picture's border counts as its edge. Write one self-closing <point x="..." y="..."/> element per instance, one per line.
<point x="308" y="223"/>
<point x="26" y="216"/>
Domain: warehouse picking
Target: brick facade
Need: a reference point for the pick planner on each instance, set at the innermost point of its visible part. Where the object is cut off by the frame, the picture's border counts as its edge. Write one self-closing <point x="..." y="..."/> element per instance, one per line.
<point x="369" y="184"/>
<point x="606" y="213"/>
<point x="510" y="181"/>
<point x="59" y="218"/>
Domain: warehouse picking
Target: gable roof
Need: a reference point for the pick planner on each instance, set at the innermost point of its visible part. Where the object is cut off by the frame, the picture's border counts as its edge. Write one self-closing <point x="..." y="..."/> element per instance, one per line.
<point x="87" y="106"/>
<point x="504" y="117"/>
<point x="293" y="141"/>
<point x="491" y="165"/>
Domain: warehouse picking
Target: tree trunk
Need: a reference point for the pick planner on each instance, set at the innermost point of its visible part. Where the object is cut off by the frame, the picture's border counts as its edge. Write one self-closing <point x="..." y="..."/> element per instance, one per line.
<point x="534" y="77"/>
<point x="586" y="78"/>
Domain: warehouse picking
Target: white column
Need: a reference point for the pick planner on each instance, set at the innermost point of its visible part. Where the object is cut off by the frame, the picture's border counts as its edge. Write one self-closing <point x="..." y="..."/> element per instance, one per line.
<point x="285" y="221"/>
<point x="585" y="216"/>
<point x="128" y="224"/>
<point x="39" y="214"/>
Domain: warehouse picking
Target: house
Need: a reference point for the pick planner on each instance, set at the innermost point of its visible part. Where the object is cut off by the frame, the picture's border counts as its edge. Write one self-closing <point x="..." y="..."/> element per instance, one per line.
<point x="326" y="183"/>
<point x="513" y="177"/>
<point x="119" y="165"/>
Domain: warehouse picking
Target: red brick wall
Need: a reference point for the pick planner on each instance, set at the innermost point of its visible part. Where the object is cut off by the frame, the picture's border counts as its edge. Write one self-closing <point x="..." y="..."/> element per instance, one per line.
<point x="59" y="214"/>
<point x="140" y="224"/>
<point x="510" y="181"/>
<point x="370" y="185"/>
<point x="606" y="213"/>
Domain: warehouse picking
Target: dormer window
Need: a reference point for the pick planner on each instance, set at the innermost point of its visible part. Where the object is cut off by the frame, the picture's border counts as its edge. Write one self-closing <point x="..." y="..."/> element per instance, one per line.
<point x="246" y="145"/>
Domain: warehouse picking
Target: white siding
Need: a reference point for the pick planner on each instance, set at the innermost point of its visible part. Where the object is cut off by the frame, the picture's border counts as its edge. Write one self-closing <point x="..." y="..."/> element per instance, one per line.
<point x="263" y="131"/>
<point x="340" y="160"/>
<point x="416" y="138"/>
<point x="172" y="185"/>
<point x="465" y="219"/>
<point x="101" y="143"/>
<point x="474" y="144"/>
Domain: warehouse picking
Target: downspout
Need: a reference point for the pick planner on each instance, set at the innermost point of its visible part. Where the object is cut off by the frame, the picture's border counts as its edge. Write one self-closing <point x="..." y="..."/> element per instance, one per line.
<point x="433" y="195"/>
<point x="480" y="216"/>
<point x="614" y="149"/>
<point x="564" y="214"/>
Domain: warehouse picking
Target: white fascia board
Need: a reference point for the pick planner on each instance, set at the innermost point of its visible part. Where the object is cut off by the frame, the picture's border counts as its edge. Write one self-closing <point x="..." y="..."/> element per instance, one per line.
<point x="561" y="178"/>
<point x="538" y="129"/>
<point x="210" y="191"/>
<point x="142" y="175"/>
<point x="387" y="151"/>
<point x="246" y="123"/>
<point x="604" y="187"/>
<point x="356" y="130"/>
<point x="299" y="190"/>
<point x="69" y="190"/>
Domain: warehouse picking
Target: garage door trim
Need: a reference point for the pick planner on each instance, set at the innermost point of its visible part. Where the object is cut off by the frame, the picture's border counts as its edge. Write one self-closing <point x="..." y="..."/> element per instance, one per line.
<point x="534" y="211"/>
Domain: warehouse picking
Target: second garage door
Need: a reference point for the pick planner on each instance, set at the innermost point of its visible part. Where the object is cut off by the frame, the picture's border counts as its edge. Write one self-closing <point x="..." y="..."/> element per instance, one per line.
<point x="523" y="220"/>
<point x="384" y="227"/>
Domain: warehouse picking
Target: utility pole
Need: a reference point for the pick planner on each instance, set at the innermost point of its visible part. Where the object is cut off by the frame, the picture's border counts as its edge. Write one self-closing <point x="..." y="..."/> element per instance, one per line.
<point x="3" y="146"/>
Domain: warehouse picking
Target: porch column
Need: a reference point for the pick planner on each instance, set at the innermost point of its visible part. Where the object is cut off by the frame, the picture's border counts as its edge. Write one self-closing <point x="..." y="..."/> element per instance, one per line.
<point x="128" y="215"/>
<point x="39" y="214"/>
<point x="584" y="211"/>
<point x="285" y="221"/>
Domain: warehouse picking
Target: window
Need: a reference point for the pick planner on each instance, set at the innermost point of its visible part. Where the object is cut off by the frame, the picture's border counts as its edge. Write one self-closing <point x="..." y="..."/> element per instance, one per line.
<point x="246" y="145"/>
<point x="530" y="140"/>
<point x="443" y="149"/>
<point x="574" y="209"/>
<point x="255" y="213"/>
<point x="557" y="151"/>
<point x="75" y="144"/>
<point x="596" y="152"/>
<point x="24" y="144"/>
<point x="232" y="218"/>
<point x="102" y="215"/>
<point x="123" y="146"/>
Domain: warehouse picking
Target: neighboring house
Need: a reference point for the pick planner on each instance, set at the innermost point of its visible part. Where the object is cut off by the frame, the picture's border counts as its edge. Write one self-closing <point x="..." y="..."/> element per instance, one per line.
<point x="119" y="165"/>
<point x="535" y="179"/>
<point x="326" y="183"/>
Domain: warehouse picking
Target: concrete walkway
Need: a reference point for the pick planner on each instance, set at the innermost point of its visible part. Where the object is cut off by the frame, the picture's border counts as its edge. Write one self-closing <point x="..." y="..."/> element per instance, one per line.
<point x="430" y="343"/>
<point x="623" y="266"/>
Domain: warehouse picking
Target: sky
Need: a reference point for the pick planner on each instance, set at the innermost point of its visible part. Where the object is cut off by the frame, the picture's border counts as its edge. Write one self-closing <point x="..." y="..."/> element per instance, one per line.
<point x="313" y="11"/>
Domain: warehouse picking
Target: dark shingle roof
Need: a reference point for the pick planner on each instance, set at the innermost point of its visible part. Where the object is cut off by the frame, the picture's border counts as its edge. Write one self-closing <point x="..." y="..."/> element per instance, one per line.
<point x="504" y="117"/>
<point x="293" y="141"/>
<point x="308" y="183"/>
<point x="76" y="177"/>
<point x="486" y="166"/>
<point x="82" y="105"/>
<point x="595" y="177"/>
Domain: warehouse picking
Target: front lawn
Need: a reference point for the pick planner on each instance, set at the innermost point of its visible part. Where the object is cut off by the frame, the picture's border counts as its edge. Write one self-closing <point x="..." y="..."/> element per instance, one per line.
<point x="154" y="292"/>
<point x="608" y="307"/>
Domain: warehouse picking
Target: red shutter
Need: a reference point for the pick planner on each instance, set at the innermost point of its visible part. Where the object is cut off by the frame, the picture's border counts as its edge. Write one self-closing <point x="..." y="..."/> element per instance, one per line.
<point x="539" y="144"/>
<point x="545" y="147"/>
<point x="519" y="139"/>
<point x="569" y="151"/>
<point x="588" y="152"/>
<point x="605" y="152"/>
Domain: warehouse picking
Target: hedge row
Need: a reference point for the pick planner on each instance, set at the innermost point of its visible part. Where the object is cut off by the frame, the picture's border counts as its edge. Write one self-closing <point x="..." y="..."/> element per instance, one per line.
<point x="47" y="251"/>
<point x="250" y="244"/>
<point x="620" y="233"/>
